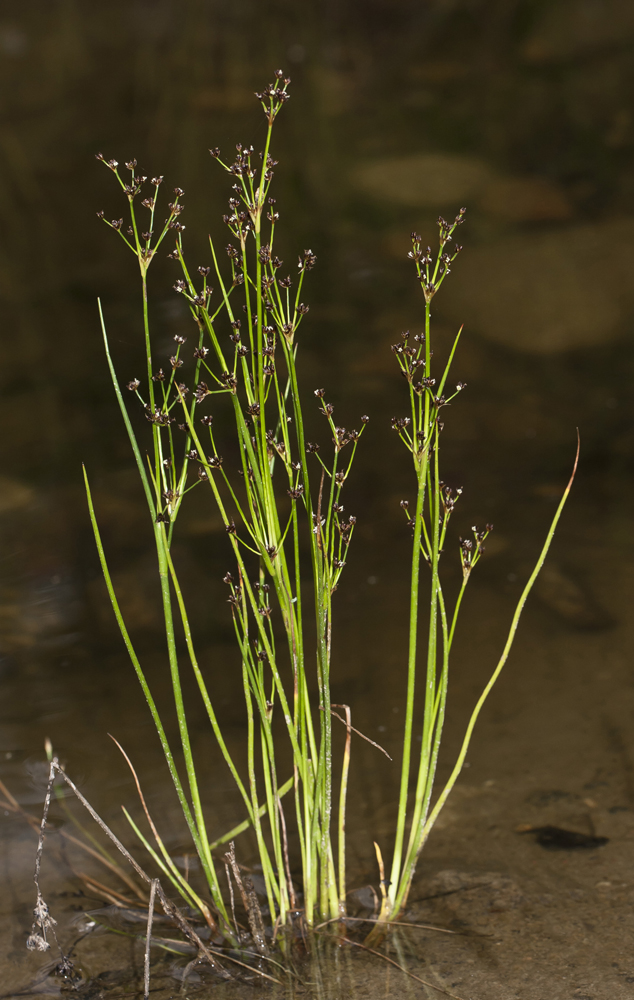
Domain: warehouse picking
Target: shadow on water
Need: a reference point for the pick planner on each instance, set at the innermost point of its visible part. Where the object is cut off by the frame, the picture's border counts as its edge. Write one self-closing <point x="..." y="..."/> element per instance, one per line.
<point x="521" y="110"/>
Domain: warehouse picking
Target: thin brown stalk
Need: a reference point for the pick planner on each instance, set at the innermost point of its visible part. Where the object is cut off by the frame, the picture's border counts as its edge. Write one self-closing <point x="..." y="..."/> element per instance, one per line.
<point x="391" y="961"/>
<point x="148" y="940"/>
<point x="13" y="806"/>
<point x="205" y="909"/>
<point x="393" y="923"/>
<point x="233" y="902"/>
<point x="287" y="866"/>
<point x="363" y="737"/>
<point x="111" y="895"/>
<point x="169" y="908"/>
<point x="250" y="902"/>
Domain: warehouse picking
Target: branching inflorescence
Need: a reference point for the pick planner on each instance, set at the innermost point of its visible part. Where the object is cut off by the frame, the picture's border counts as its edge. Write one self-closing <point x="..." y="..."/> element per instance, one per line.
<point x="245" y="351"/>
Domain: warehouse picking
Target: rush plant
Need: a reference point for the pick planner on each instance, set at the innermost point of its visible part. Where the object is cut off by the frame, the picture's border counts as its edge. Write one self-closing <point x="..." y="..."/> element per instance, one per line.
<point x="285" y="525"/>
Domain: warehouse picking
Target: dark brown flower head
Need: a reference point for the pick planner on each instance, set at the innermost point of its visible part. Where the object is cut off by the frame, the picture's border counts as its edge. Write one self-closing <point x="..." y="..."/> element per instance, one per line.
<point x="229" y="379"/>
<point x="180" y="286"/>
<point x="201" y="352"/>
<point x="307" y="261"/>
<point x="201" y="390"/>
<point x="400" y="423"/>
<point x="134" y="385"/>
<point x="158" y="416"/>
<point x="312" y="448"/>
<point x="175" y="362"/>
<point x="159" y="376"/>
<point x="365" y="419"/>
<point x="207" y="421"/>
<point x="302" y="309"/>
<point x="215" y="461"/>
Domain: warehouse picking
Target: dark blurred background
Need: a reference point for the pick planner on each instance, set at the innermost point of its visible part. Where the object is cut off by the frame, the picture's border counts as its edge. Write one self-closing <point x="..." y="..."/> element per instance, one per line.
<point x="521" y="110"/>
<point x="401" y="110"/>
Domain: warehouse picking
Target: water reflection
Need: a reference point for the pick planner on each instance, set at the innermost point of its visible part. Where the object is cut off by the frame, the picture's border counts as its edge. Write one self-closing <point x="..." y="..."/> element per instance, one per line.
<point x="400" y="110"/>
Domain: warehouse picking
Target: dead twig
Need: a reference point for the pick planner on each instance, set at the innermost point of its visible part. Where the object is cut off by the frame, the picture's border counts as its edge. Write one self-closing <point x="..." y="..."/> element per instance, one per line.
<point x="172" y="911"/>
<point x="363" y="737"/>
<point x="148" y="940"/>
<point x="12" y="805"/>
<point x="391" y="961"/>
<point x="250" y="902"/>
<point x="390" y="923"/>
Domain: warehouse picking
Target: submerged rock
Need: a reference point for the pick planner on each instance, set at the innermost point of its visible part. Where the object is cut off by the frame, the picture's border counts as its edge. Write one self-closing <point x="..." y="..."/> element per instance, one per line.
<point x="432" y="180"/>
<point x="577" y="27"/>
<point x="445" y="181"/>
<point x="14" y="495"/>
<point x="546" y="292"/>
<point x="569" y="600"/>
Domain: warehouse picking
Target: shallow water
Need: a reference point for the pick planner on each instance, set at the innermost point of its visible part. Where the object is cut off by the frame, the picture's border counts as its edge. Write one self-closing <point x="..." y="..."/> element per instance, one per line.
<point x="520" y="111"/>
